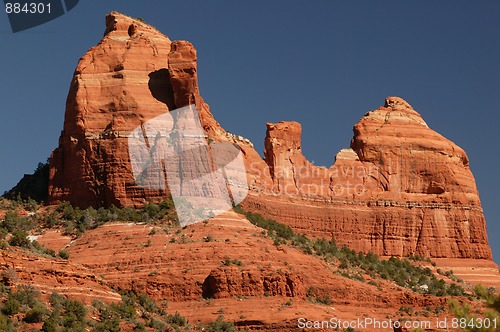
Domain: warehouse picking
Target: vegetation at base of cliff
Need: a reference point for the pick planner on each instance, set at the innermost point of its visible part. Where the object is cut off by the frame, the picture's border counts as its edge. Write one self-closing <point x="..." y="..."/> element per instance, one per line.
<point x="76" y="221"/>
<point x="469" y="319"/>
<point x="354" y="264"/>
<point x="21" y="306"/>
<point x="14" y="232"/>
<point x="15" y="226"/>
<point x="218" y="326"/>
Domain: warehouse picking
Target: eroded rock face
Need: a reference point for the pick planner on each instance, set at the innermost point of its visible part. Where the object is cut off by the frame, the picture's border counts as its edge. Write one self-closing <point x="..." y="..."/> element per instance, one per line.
<point x="117" y="85"/>
<point x="47" y="275"/>
<point x="233" y="281"/>
<point x="399" y="189"/>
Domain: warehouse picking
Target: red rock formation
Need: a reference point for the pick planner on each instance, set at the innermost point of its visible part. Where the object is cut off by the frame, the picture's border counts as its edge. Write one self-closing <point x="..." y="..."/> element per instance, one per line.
<point x="48" y="275"/>
<point x="400" y="189"/>
<point x="182" y="268"/>
<point x="117" y="84"/>
<point x="230" y="281"/>
<point x="133" y="75"/>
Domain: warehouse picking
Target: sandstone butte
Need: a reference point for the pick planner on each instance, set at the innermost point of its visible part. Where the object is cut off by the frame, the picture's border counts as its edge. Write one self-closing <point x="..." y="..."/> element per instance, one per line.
<point x="399" y="189"/>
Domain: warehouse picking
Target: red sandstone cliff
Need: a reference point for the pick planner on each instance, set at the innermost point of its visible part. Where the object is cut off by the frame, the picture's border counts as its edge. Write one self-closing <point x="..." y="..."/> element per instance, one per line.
<point x="134" y="74"/>
<point x="400" y="189"/>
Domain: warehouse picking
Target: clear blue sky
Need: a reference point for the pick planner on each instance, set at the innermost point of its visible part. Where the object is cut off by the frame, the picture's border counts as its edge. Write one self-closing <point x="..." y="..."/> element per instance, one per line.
<point x="321" y="63"/>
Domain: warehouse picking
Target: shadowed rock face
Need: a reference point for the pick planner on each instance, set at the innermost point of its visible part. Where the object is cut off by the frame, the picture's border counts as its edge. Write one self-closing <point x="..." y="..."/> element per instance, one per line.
<point x="400" y="189"/>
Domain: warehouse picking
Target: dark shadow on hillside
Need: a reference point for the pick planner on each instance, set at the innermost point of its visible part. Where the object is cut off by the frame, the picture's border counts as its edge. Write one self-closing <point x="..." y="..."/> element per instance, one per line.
<point x="34" y="186"/>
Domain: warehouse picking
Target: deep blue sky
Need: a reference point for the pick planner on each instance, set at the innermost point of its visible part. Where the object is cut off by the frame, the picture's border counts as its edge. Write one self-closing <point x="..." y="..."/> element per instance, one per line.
<point x="321" y="63"/>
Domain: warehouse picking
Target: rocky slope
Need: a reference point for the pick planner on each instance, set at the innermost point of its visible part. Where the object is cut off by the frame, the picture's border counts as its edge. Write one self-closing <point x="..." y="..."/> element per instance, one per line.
<point x="49" y="275"/>
<point x="227" y="266"/>
<point x="400" y="189"/>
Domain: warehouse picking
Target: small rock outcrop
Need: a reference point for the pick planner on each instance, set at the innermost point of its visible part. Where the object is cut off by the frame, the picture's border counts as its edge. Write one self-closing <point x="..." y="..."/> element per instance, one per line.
<point x="232" y="281"/>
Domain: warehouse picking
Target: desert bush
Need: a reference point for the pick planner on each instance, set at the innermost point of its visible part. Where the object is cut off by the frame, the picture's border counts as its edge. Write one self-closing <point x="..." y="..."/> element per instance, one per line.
<point x="156" y="324"/>
<point x="37" y="314"/>
<point x="109" y="322"/>
<point x="49" y="326"/>
<point x="6" y="325"/>
<point x="41" y="249"/>
<point x="220" y="326"/>
<point x="76" y="221"/>
<point x="176" y="320"/>
<point x="73" y="314"/>
<point x="147" y="303"/>
<point x="236" y="262"/>
<point x="12" y="221"/>
<point x="56" y="300"/>
<point x="3" y="232"/>
<point x="464" y="311"/>
<point x="123" y="310"/>
<point x="64" y="254"/>
<point x="324" y="299"/>
<point x="323" y="247"/>
<point x="26" y="295"/>
<point x="139" y="327"/>
<point x="11" y="307"/>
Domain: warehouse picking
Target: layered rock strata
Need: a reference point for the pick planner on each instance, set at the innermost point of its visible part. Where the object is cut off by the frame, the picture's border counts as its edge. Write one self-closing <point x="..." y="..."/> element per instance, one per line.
<point x="400" y="189"/>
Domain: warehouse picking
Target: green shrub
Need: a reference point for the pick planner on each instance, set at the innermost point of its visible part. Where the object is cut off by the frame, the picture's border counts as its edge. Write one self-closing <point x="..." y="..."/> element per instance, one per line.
<point x="73" y="314"/>
<point x="324" y="299"/>
<point x="6" y="324"/>
<point x="49" y="326"/>
<point x="11" y="307"/>
<point x="56" y="300"/>
<point x="156" y="325"/>
<point x="220" y="326"/>
<point x="311" y="292"/>
<point x="236" y="262"/>
<point x="26" y="295"/>
<point x="124" y="310"/>
<point x="147" y="303"/>
<point x="76" y="221"/>
<point x="3" y="232"/>
<point x="36" y="314"/>
<point x="19" y="239"/>
<point x="64" y="254"/>
<point x="41" y="249"/>
<point x="13" y="221"/>
<point x="109" y="323"/>
<point x="139" y="327"/>
<point x="176" y="319"/>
